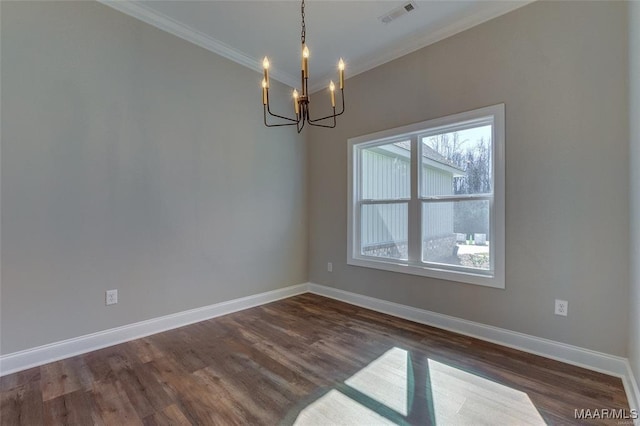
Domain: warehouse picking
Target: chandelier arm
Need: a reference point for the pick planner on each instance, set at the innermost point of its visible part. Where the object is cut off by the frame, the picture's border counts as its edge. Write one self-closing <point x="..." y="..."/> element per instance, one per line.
<point x="342" y="96"/>
<point x="324" y="125"/>
<point x="334" y="115"/>
<point x="274" y="125"/>
<point x="268" y="109"/>
<point x="280" y="116"/>
<point x="284" y="118"/>
<point x="330" y="126"/>
<point x="300" y="127"/>
<point x="280" y="125"/>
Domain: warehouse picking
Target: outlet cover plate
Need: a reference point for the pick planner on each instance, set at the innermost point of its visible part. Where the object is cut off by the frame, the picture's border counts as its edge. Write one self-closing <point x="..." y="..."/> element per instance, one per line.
<point x="562" y="307"/>
<point x="111" y="297"/>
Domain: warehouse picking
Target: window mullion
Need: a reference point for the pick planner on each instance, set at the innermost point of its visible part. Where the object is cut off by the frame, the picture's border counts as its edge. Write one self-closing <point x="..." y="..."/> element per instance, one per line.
<point x="357" y="231"/>
<point x="414" y="231"/>
<point x="453" y="198"/>
<point x="385" y="201"/>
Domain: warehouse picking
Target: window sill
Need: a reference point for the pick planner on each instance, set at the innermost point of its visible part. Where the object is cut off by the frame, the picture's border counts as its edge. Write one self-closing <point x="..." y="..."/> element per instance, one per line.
<point x="493" y="281"/>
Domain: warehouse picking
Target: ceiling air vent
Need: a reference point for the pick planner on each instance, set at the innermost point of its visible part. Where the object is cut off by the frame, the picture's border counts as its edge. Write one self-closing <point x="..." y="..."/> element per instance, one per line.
<point x="398" y="12"/>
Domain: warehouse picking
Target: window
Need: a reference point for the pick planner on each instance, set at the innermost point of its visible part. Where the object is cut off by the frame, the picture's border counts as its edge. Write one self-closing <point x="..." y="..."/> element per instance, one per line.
<point x="428" y="198"/>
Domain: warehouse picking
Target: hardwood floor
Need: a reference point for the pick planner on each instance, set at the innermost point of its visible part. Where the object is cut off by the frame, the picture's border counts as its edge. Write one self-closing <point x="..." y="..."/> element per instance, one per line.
<point x="310" y="360"/>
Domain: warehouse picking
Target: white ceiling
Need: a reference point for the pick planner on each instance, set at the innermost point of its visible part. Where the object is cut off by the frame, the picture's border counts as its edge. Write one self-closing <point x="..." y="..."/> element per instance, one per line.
<point x="246" y="31"/>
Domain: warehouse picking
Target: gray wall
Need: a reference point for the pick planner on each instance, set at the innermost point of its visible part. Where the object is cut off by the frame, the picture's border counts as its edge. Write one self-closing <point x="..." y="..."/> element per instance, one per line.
<point x="132" y="159"/>
<point x="561" y="69"/>
<point x="634" y="121"/>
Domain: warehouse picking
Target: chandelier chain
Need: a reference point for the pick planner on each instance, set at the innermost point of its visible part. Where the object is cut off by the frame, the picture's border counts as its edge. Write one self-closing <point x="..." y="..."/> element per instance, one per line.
<point x="303" y="35"/>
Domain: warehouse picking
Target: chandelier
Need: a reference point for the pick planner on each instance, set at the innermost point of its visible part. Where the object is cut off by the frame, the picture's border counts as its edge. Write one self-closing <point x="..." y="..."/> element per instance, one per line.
<point x="301" y="101"/>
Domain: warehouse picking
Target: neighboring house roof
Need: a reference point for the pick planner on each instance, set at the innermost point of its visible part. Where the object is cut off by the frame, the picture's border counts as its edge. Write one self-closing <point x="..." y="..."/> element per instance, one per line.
<point x="431" y="154"/>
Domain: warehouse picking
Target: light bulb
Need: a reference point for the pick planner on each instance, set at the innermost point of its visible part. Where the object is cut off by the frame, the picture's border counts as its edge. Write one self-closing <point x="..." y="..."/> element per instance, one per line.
<point x="332" y="88"/>
<point x="265" y="65"/>
<point x="305" y="64"/>
<point x="296" y="105"/>
<point x="341" y="65"/>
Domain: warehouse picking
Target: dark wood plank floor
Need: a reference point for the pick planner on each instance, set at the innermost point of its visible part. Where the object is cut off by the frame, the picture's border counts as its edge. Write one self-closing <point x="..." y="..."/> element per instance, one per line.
<point x="310" y="360"/>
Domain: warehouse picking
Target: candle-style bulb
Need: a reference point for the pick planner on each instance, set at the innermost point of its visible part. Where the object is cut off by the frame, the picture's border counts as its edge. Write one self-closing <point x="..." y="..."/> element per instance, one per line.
<point x="340" y="65"/>
<point x="265" y="65"/>
<point x="264" y="91"/>
<point x="341" y="73"/>
<point x="305" y="63"/>
<point x="332" y="88"/>
<point x="296" y="105"/>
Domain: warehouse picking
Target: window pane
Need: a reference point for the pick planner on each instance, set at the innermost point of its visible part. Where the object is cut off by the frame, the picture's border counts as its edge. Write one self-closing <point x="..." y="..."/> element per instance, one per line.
<point x="386" y="171"/>
<point x="456" y="162"/>
<point x="456" y="233"/>
<point x="384" y="230"/>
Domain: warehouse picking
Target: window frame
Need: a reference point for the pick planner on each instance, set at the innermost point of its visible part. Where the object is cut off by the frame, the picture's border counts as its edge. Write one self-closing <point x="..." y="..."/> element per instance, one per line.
<point x="415" y="132"/>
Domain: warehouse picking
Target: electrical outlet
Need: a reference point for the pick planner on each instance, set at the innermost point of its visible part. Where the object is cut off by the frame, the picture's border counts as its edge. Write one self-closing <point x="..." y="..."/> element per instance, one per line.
<point x="111" y="297"/>
<point x="562" y="307"/>
<point x="330" y="267"/>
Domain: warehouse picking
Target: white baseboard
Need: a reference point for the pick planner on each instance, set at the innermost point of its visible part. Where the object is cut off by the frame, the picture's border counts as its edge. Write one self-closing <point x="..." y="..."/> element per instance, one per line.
<point x="597" y="361"/>
<point x="586" y="358"/>
<point x="40" y="355"/>
<point x="631" y="387"/>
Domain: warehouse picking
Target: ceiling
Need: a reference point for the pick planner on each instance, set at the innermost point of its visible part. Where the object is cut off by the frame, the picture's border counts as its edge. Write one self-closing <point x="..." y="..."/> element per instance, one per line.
<point x="246" y="31"/>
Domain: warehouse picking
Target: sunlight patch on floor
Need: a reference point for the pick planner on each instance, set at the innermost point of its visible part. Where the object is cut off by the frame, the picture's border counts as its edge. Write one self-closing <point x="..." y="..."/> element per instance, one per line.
<point x="335" y="408"/>
<point x="385" y="380"/>
<point x="396" y="386"/>
<point x="464" y="398"/>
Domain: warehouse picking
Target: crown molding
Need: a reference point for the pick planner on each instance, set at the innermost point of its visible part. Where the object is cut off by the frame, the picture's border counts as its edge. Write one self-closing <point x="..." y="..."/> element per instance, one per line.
<point x="393" y="51"/>
<point x="177" y="28"/>
<point x="417" y="41"/>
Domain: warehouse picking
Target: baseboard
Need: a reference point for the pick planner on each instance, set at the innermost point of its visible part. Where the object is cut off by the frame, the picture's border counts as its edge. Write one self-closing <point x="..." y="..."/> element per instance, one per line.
<point x="631" y="387"/>
<point x="40" y="355"/>
<point x="586" y="358"/>
<point x="597" y="361"/>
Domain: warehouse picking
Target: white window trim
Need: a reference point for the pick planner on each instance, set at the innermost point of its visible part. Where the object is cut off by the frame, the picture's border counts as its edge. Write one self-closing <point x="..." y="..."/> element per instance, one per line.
<point x="497" y="215"/>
